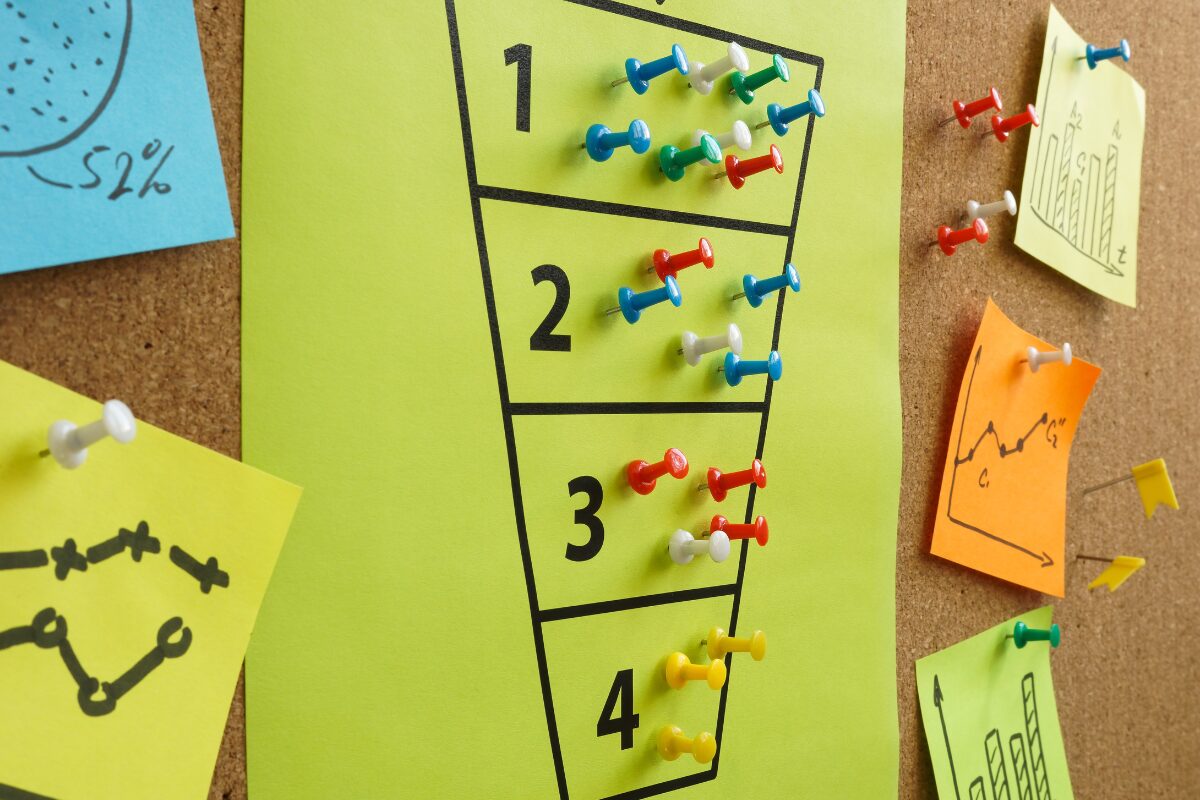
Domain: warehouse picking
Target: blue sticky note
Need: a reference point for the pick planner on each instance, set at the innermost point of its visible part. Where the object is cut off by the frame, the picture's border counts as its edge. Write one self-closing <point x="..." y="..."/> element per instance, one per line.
<point x="107" y="143"/>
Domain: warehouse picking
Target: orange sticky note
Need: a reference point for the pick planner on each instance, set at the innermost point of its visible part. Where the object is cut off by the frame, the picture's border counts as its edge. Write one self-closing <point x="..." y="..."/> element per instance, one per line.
<point x="1003" y="505"/>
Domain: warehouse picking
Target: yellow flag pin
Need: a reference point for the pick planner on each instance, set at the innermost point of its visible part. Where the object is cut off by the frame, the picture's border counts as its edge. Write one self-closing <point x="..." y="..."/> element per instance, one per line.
<point x="1116" y="572"/>
<point x="1153" y="484"/>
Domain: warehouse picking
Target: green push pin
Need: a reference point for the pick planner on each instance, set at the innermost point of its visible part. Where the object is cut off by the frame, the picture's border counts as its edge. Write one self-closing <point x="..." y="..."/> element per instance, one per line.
<point x="1023" y="634"/>
<point x="674" y="161"/>
<point x="744" y="85"/>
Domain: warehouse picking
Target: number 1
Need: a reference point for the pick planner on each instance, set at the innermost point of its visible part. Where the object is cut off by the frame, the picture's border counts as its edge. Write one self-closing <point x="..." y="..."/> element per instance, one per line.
<point x="522" y="56"/>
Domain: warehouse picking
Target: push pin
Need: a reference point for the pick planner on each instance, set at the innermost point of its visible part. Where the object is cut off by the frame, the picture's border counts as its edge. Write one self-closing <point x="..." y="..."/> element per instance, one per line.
<point x="756" y="530"/>
<point x="1036" y="357"/>
<point x="719" y="643"/>
<point x="778" y="117"/>
<point x="966" y="112"/>
<point x="739" y="134"/>
<point x="1094" y="55"/>
<point x="737" y="171"/>
<point x="667" y="265"/>
<point x="600" y="141"/>
<point x="744" y="85"/>
<point x="631" y="303"/>
<point x="683" y="547"/>
<point x="1023" y="634"/>
<point x="673" y="161"/>
<point x="694" y="346"/>
<point x="1119" y="570"/>
<point x="639" y="75"/>
<point x="719" y="484"/>
<point x="1002" y="127"/>
<point x="643" y="476"/>
<point x="680" y="671"/>
<point x="949" y="239"/>
<point x="754" y="290"/>
<point x="736" y="368"/>
<point x="69" y="443"/>
<point x="672" y="743"/>
<point x="1006" y="203"/>
<point x="701" y="76"/>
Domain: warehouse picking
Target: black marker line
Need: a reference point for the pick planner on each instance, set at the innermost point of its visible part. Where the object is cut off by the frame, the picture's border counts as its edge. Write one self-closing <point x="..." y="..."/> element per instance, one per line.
<point x="105" y="550"/>
<point x="25" y="559"/>
<point x="664" y="786"/>
<point x="67" y="558"/>
<point x="207" y="574"/>
<point x="630" y="603"/>
<point x="552" y="409"/>
<point x="13" y="793"/>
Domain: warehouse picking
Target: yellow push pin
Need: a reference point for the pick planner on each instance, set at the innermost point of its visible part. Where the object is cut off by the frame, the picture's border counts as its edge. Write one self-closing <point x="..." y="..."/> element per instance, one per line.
<point x="672" y="744"/>
<point x="680" y="670"/>
<point x="719" y="643"/>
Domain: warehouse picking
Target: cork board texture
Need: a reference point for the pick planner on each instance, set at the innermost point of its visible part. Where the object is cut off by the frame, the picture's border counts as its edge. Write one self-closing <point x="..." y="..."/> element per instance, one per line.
<point x="161" y="330"/>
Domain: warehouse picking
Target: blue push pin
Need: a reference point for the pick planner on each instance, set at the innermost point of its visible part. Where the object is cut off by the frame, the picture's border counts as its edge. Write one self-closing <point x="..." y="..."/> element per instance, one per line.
<point x="631" y="303"/>
<point x="1095" y="54"/>
<point x="639" y="75"/>
<point x="755" y="290"/>
<point x="778" y="117"/>
<point x="600" y="141"/>
<point x="1023" y="634"/>
<point x="735" y="368"/>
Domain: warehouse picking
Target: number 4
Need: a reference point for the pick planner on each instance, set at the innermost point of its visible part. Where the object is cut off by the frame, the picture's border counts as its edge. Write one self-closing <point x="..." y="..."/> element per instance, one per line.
<point x="622" y="689"/>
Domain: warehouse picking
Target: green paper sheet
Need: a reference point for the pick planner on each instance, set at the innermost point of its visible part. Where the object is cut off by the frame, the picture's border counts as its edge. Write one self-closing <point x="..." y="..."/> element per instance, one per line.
<point x="1083" y="170"/>
<point x="474" y="602"/>
<point x="990" y="718"/>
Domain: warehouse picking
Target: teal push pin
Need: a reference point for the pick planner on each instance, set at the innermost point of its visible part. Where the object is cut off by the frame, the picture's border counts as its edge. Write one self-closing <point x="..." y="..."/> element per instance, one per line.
<point x="639" y="75"/>
<point x="755" y="290"/>
<point x="735" y="368"/>
<point x="744" y="85"/>
<point x="600" y="141"/>
<point x="1023" y="634"/>
<point x="631" y="303"/>
<point x="673" y="161"/>
<point x="1095" y="55"/>
<point x="778" y="117"/>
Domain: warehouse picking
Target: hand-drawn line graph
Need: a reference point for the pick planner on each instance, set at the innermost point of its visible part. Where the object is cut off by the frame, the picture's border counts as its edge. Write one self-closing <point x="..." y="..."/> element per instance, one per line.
<point x="1074" y="193"/>
<point x="50" y="95"/>
<point x="1030" y="777"/>
<point x="1004" y="451"/>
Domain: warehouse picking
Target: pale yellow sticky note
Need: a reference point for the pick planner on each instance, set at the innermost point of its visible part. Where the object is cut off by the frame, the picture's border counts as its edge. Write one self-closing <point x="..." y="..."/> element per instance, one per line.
<point x="1083" y="171"/>
<point x="128" y="589"/>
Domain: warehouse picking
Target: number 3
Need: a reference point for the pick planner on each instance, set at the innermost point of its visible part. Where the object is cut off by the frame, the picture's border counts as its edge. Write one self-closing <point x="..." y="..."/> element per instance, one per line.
<point x="586" y="516"/>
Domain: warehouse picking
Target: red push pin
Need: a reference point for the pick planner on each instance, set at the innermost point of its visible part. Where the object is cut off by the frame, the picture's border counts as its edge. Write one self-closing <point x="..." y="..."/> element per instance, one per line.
<point x="949" y="239"/>
<point x="642" y="476"/>
<point x="751" y="530"/>
<point x="1002" y="127"/>
<point x="719" y="484"/>
<point x="965" y="112"/>
<point x="666" y="264"/>
<point x="737" y="171"/>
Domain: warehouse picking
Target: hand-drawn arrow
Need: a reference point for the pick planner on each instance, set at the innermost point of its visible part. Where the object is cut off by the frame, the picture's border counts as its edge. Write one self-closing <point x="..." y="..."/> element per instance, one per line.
<point x="938" y="699"/>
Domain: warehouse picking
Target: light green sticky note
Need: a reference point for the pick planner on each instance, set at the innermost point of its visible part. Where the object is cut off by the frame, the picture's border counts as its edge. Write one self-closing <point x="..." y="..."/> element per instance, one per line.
<point x="1083" y="170"/>
<point x="990" y="718"/>
<point x="474" y="602"/>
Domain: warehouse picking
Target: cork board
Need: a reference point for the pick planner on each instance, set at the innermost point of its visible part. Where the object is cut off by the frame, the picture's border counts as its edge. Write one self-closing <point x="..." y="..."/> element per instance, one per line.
<point x="161" y="331"/>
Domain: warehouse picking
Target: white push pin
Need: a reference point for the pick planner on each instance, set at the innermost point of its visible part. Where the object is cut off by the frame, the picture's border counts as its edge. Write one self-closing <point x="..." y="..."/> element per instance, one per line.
<point x="694" y="346"/>
<point x="1036" y="357"/>
<point x="684" y="547"/>
<point x="701" y="76"/>
<point x="739" y="134"/>
<point x="69" y="443"/>
<point x="1007" y="203"/>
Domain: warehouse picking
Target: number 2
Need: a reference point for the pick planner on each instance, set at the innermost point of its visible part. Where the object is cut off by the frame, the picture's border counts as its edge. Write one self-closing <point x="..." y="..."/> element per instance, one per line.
<point x="622" y="689"/>
<point x="544" y="338"/>
<point x="522" y="56"/>
<point x="586" y="516"/>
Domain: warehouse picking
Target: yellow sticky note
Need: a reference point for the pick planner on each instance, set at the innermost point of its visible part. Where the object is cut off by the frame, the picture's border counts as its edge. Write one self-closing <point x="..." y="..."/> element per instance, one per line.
<point x="128" y="589"/>
<point x="1154" y="486"/>
<point x="1083" y="171"/>
<point x="1117" y="572"/>
<point x="1002" y="508"/>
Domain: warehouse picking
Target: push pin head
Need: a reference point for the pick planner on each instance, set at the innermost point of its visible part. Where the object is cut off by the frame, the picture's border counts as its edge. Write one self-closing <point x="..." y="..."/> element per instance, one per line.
<point x="642" y="476"/>
<point x="718" y="483"/>
<point x="701" y="75"/>
<point x="744" y="86"/>
<point x="736" y="368"/>
<point x="738" y="134"/>
<point x="779" y="117"/>
<point x="1002" y="127"/>
<point x="639" y="75"/>
<point x="965" y="112"/>
<point x="1006" y="203"/>
<point x="601" y="142"/>
<point x="1095" y="55"/>
<point x="672" y="743"/>
<point x="1036" y="357"/>
<point x="737" y="170"/>
<point x="680" y="670"/>
<point x="69" y="443"/>
<point x="683" y="547"/>
<point x="756" y="530"/>
<point x="665" y="264"/>
<point x="694" y="347"/>
<point x="719" y="643"/>
<point x="949" y="239"/>
<point x="673" y="161"/>
<point x="1023" y="634"/>
<point x="631" y="303"/>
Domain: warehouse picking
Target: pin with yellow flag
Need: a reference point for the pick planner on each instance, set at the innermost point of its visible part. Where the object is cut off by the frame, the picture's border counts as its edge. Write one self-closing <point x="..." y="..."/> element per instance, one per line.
<point x="1153" y="483"/>
<point x="1115" y="573"/>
